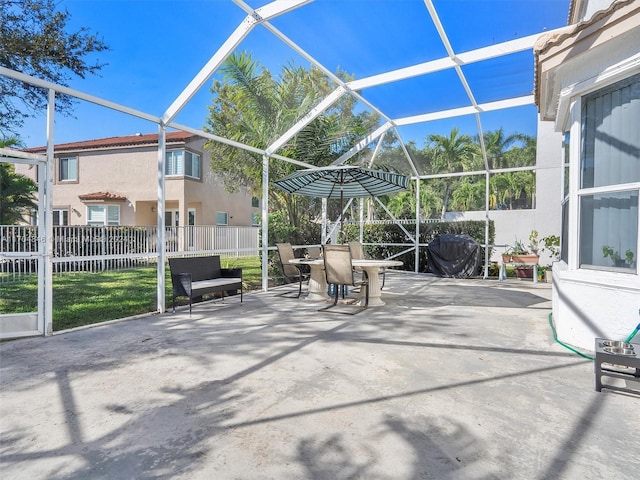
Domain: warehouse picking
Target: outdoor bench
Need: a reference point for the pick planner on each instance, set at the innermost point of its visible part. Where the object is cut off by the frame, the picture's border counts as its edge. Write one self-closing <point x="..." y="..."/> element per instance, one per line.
<point x="195" y="276"/>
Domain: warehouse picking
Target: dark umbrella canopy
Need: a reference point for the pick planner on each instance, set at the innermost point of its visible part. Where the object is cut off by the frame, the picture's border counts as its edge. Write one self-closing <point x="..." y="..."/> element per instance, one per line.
<point x="342" y="182"/>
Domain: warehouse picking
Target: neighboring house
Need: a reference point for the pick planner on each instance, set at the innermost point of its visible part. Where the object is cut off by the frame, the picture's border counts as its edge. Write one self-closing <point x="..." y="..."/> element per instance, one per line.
<point x="114" y="181"/>
<point x="588" y="85"/>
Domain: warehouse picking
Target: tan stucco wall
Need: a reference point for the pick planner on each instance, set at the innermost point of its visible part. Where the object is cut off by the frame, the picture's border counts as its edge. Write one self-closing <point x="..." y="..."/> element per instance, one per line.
<point x="132" y="173"/>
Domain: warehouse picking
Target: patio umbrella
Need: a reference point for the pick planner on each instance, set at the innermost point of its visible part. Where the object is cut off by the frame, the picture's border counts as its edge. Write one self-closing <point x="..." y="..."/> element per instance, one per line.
<point x="342" y="182"/>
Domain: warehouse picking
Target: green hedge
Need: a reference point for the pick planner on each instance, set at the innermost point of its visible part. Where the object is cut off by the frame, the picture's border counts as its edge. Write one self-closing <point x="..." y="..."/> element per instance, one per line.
<point x="391" y="233"/>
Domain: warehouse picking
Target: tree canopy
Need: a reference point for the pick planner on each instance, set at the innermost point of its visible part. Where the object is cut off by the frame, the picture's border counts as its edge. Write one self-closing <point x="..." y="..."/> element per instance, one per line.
<point x="17" y="192"/>
<point x="35" y="40"/>
<point x="252" y="106"/>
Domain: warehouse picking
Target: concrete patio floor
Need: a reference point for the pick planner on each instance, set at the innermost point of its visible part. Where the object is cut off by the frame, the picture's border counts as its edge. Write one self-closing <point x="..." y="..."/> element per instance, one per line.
<point x="452" y="379"/>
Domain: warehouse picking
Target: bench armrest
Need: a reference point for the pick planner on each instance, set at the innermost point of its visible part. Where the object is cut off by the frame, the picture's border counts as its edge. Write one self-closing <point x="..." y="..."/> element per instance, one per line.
<point x="231" y="272"/>
<point x="181" y="283"/>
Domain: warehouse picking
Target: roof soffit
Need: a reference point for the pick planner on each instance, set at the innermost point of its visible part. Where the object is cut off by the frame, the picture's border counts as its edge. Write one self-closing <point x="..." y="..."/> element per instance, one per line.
<point x="557" y="54"/>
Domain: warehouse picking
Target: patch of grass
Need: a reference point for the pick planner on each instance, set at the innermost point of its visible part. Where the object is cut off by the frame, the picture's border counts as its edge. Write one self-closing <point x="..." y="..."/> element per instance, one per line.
<point x="84" y="298"/>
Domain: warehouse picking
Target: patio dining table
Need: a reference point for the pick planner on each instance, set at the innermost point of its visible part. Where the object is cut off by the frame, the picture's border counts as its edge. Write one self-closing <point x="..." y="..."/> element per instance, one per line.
<point x="318" y="282"/>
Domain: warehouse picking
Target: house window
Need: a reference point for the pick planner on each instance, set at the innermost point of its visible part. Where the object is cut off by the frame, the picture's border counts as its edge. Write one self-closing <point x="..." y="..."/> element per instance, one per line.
<point x="610" y="141"/>
<point x="103" y="215"/>
<point x="609" y="230"/>
<point x="60" y="216"/>
<point x="222" y="218"/>
<point x="255" y="202"/>
<point x="68" y="170"/>
<point x="171" y="218"/>
<point x="255" y="219"/>
<point x="610" y="177"/>
<point x="182" y="163"/>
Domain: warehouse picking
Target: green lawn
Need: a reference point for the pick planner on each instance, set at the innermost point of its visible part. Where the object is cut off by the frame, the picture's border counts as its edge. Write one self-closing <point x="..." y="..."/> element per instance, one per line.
<point x="85" y="298"/>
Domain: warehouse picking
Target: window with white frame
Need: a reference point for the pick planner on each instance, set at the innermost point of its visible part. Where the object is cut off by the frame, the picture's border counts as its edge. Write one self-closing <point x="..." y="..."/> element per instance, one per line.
<point x="60" y="216"/>
<point x="183" y="163"/>
<point x="222" y="218"/>
<point x="68" y="169"/>
<point x="610" y="177"/>
<point x="103" y="215"/>
<point x="564" y="232"/>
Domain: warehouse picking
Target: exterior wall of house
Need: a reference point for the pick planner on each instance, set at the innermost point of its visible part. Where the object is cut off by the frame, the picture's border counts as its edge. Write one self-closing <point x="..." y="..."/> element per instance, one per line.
<point x="593" y="301"/>
<point x="131" y="173"/>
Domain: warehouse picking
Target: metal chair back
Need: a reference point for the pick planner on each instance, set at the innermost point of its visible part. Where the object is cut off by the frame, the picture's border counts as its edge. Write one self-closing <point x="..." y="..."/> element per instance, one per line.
<point x="338" y="270"/>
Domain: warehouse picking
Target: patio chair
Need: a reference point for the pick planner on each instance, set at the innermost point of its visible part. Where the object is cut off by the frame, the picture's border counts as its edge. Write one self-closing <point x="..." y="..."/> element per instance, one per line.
<point x="357" y="253"/>
<point x="338" y="271"/>
<point x="314" y="252"/>
<point x="292" y="273"/>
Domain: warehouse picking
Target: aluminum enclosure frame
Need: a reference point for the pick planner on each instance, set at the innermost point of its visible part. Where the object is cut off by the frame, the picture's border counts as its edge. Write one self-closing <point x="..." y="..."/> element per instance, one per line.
<point x="262" y="17"/>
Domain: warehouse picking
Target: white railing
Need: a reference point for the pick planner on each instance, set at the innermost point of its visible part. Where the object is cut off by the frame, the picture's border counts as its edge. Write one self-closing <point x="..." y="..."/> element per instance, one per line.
<point x="94" y="249"/>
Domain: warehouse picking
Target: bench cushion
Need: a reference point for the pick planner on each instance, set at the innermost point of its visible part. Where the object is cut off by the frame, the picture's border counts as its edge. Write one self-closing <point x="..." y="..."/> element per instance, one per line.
<point x="214" y="282"/>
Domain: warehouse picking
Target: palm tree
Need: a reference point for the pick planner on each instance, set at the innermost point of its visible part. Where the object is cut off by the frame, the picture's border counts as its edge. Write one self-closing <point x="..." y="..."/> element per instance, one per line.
<point x="496" y="144"/>
<point x="17" y="192"/>
<point x="403" y="204"/>
<point x="451" y="154"/>
<point x="253" y="107"/>
<point x="469" y="195"/>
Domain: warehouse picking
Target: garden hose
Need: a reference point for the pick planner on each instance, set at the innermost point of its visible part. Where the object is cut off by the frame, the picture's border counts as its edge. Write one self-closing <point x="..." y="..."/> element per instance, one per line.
<point x="555" y="337"/>
<point x="633" y="334"/>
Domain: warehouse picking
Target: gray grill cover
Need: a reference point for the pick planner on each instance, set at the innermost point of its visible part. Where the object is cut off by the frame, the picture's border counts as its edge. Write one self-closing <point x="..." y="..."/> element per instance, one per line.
<point x="454" y="255"/>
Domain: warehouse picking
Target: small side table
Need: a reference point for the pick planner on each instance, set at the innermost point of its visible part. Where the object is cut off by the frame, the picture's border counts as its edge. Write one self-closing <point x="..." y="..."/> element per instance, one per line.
<point x="503" y="269"/>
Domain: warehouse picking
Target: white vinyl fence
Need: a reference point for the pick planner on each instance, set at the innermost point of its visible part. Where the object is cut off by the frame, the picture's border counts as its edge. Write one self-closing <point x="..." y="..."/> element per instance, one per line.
<point x="95" y="249"/>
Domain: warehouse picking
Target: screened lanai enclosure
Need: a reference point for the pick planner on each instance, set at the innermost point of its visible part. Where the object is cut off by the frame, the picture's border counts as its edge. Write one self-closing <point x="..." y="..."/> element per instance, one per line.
<point x="405" y="72"/>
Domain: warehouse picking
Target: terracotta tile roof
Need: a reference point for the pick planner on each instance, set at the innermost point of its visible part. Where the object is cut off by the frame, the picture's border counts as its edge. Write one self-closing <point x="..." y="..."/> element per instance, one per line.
<point x="101" y="197"/>
<point x="110" y="142"/>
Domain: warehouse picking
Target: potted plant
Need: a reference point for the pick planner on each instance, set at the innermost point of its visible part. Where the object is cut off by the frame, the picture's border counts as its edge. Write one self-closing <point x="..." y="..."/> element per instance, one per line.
<point x="542" y="273"/>
<point x="551" y="245"/>
<point x="533" y="241"/>
<point x="626" y="262"/>
<point x="522" y="255"/>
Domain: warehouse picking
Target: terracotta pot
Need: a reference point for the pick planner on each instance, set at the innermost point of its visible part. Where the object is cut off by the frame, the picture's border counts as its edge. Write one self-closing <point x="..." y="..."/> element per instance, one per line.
<point x="524" y="272"/>
<point x="528" y="258"/>
<point x="506" y="258"/>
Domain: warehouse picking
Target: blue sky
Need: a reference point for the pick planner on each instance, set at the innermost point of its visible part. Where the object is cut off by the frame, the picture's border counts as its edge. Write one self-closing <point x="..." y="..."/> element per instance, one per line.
<point x="157" y="46"/>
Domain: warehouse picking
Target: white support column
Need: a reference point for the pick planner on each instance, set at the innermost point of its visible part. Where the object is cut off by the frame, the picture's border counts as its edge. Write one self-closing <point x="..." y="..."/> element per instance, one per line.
<point x="162" y="145"/>
<point x="487" y="191"/>
<point x="265" y="222"/>
<point x="417" y="240"/>
<point x="47" y="220"/>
